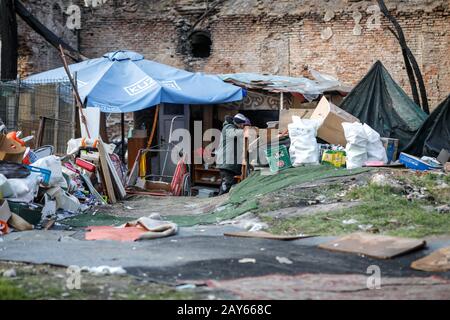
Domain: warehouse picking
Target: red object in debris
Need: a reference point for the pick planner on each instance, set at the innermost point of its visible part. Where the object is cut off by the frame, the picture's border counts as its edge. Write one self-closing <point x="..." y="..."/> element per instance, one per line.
<point x="3" y="227"/>
<point x="85" y="165"/>
<point x="13" y="136"/>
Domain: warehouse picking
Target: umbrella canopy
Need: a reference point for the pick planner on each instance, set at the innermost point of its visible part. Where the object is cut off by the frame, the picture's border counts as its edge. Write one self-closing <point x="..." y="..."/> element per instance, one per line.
<point x="123" y="81"/>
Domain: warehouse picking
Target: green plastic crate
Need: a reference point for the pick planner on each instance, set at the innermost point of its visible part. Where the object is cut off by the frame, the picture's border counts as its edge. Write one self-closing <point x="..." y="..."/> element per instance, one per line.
<point x="278" y="158"/>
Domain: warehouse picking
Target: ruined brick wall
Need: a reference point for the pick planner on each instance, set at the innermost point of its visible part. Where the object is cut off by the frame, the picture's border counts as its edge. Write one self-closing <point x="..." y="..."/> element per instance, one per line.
<point x="282" y="37"/>
<point x="35" y="54"/>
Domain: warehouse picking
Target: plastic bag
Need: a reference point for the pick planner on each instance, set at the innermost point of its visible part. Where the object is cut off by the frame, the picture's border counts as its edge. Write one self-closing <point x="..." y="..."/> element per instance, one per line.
<point x="25" y="190"/>
<point x="375" y="148"/>
<point x="304" y="148"/>
<point x="53" y="163"/>
<point x="356" y="148"/>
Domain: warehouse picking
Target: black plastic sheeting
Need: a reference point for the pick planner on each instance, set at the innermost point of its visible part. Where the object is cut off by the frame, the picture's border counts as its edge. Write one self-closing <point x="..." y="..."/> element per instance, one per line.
<point x="381" y="103"/>
<point x="12" y="170"/>
<point x="434" y="135"/>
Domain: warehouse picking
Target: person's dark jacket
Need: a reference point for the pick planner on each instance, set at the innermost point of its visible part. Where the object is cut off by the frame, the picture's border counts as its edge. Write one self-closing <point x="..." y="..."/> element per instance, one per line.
<point x="229" y="151"/>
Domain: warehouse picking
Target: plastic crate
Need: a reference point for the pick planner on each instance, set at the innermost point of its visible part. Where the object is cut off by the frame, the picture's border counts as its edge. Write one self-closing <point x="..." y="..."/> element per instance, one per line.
<point x="278" y="158"/>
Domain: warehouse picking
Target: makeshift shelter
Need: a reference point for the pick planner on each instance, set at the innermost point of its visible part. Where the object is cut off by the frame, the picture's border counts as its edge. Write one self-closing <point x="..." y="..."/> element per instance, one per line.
<point x="434" y="134"/>
<point x="381" y="103"/>
<point x="123" y="81"/>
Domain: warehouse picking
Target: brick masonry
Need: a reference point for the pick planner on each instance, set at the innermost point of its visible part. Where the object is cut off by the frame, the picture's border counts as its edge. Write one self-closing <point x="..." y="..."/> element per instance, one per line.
<point x="281" y="37"/>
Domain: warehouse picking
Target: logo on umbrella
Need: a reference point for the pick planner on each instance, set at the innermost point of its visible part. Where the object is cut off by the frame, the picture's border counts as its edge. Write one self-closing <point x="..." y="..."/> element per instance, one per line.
<point x="142" y="85"/>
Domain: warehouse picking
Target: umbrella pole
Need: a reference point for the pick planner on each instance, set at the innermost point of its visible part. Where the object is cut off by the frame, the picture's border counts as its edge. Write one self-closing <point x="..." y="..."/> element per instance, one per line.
<point x="122" y="121"/>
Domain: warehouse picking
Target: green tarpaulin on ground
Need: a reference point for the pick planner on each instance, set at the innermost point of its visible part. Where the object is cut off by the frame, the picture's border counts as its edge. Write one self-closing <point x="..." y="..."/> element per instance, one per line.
<point x="244" y="196"/>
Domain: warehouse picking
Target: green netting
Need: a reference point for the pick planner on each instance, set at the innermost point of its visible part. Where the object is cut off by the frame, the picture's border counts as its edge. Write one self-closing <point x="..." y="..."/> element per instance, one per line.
<point x="243" y="197"/>
<point x="259" y="184"/>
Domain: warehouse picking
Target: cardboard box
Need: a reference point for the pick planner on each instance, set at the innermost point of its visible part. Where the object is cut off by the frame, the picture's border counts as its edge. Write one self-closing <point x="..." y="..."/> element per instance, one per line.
<point x="286" y="116"/>
<point x="11" y="150"/>
<point x="331" y="129"/>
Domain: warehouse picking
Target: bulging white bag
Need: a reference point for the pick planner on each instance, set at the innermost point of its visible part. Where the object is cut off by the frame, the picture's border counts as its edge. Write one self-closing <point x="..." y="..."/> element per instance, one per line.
<point x="52" y="163"/>
<point x="304" y="148"/>
<point x="375" y="149"/>
<point x="356" y="148"/>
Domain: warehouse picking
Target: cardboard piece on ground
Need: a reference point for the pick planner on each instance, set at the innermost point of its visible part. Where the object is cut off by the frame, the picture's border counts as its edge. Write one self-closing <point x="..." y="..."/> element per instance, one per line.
<point x="11" y="150"/>
<point x="375" y="246"/>
<point x="437" y="261"/>
<point x="331" y="129"/>
<point x="18" y="223"/>
<point x="286" y="116"/>
<point x="264" y="235"/>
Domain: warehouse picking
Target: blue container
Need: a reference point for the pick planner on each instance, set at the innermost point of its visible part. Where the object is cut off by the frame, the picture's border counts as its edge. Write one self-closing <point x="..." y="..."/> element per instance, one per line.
<point x="414" y="163"/>
<point x="43" y="172"/>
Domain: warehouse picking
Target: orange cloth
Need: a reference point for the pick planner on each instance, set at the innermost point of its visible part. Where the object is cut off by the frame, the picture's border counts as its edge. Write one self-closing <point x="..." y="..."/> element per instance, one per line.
<point x="131" y="233"/>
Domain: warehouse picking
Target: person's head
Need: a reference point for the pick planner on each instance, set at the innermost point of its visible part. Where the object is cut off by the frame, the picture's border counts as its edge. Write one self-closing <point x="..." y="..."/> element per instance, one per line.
<point x="241" y="121"/>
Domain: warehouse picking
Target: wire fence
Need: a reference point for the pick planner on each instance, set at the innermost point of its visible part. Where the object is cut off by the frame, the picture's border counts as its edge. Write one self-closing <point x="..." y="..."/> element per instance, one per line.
<point x="23" y="105"/>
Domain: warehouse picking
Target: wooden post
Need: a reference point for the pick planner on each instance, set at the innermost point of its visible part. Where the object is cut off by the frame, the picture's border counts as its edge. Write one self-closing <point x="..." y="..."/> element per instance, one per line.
<point x="56" y="127"/>
<point x="8" y="34"/>
<point x="40" y="133"/>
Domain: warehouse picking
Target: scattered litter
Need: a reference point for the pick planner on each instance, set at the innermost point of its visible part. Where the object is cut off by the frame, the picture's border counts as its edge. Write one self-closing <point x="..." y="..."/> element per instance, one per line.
<point x="284" y="260"/>
<point x="104" y="270"/>
<point x="10" y="273"/>
<point x="188" y="286"/>
<point x="247" y="260"/>
<point x="443" y="209"/>
<point x="349" y="221"/>
<point x="367" y="228"/>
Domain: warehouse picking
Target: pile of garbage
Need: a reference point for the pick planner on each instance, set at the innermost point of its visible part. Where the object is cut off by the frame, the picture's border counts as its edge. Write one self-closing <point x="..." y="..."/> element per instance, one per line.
<point x="39" y="188"/>
<point x="347" y="143"/>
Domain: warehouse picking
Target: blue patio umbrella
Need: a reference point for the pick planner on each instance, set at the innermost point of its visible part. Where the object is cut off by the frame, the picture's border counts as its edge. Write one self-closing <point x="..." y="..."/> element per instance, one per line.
<point x="123" y="81"/>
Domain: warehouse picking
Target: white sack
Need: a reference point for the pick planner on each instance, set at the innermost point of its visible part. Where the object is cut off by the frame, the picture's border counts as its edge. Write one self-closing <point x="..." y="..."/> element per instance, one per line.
<point x="375" y="149"/>
<point x="53" y="163"/>
<point x="5" y="188"/>
<point x="26" y="189"/>
<point x="356" y="148"/>
<point x="304" y="148"/>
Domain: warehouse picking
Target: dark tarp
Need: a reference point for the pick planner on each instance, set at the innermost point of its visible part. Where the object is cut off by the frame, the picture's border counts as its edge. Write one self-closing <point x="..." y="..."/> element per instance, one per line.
<point x="434" y="135"/>
<point x="380" y="102"/>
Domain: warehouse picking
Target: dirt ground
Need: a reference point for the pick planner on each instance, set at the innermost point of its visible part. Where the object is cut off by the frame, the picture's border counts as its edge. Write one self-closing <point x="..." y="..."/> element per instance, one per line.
<point x="383" y="201"/>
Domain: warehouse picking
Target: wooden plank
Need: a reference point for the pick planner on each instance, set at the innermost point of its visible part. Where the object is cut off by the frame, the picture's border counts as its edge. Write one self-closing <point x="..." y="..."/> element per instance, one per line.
<point x="92" y="189"/>
<point x="376" y="246"/>
<point x="265" y="235"/>
<point x="437" y="261"/>
<point x="106" y="176"/>
<point x="114" y="176"/>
